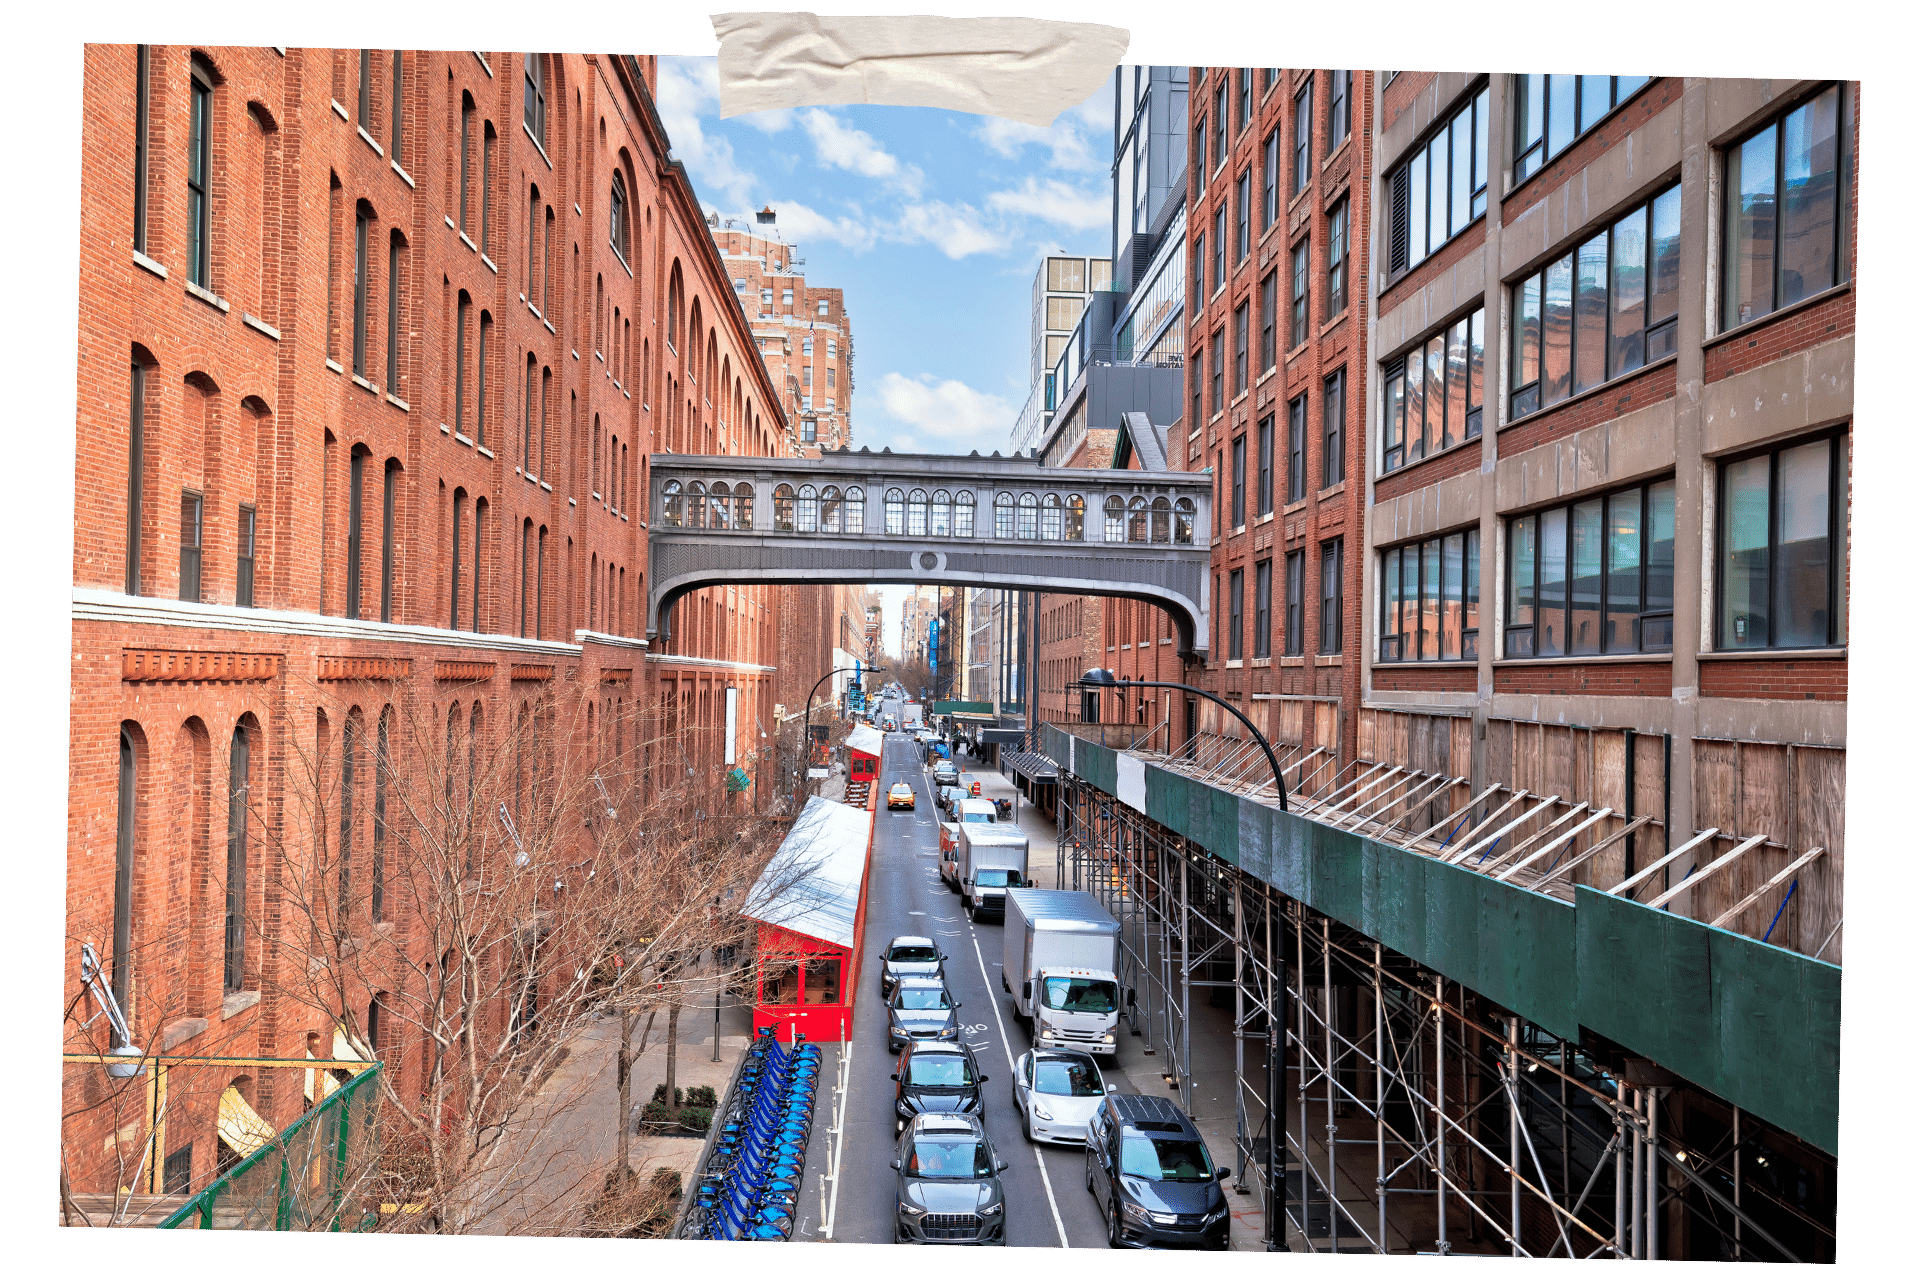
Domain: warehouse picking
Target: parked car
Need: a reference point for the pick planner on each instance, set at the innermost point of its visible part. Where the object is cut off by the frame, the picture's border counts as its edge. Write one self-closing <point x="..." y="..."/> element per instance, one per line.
<point x="948" y="1190"/>
<point x="948" y="798"/>
<point x="1149" y="1172"/>
<point x="936" y="1075"/>
<point x="1056" y="1092"/>
<point x="921" y="1009"/>
<point x="946" y="774"/>
<point x="900" y="796"/>
<point x="910" y="956"/>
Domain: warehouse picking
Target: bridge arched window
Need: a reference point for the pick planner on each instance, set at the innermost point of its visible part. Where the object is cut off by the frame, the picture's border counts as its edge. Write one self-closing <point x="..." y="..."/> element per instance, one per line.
<point x="1003" y="515"/>
<point x="896" y="511"/>
<point x="1162" y="516"/>
<point x="1183" y="521"/>
<point x="917" y="513"/>
<point x="743" y="505"/>
<point x="1116" y="519"/>
<point x="1076" y="518"/>
<point x="676" y="505"/>
<point x="697" y="505"/>
<point x="942" y="526"/>
<point x="830" y="509"/>
<point x="808" y="518"/>
<point x="783" y="508"/>
<point x="1050" y="517"/>
<point x="721" y="517"/>
<point x="1137" y="520"/>
<point x="963" y="514"/>
<point x="1029" y="516"/>
<point x="856" y="509"/>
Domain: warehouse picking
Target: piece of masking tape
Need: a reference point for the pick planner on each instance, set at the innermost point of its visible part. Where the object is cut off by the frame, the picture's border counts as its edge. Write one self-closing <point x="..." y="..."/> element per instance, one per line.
<point x="1025" y="69"/>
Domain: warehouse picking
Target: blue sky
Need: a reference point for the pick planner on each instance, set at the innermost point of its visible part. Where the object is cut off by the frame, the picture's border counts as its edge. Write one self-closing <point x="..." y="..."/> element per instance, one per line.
<point x="933" y="222"/>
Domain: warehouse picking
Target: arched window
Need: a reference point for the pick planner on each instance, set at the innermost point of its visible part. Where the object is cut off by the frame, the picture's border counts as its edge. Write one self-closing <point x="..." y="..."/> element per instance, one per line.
<point x="743" y="505"/>
<point x="917" y="513"/>
<point x="673" y="308"/>
<point x="721" y="516"/>
<point x="200" y="175"/>
<point x="479" y="549"/>
<point x="1050" y="517"/>
<point x="467" y="116"/>
<point x="1116" y="519"/>
<point x="1003" y="515"/>
<point x="382" y="767"/>
<point x="896" y="511"/>
<point x="783" y="508"/>
<point x="362" y="288"/>
<point x="462" y="331"/>
<point x="1029" y="516"/>
<point x="963" y="514"/>
<point x="459" y="510"/>
<point x="830" y="510"/>
<point x="526" y="424"/>
<point x="808" y="517"/>
<point x="398" y="122"/>
<point x="121" y="960"/>
<point x="1137" y="520"/>
<point x="396" y="274"/>
<point x="535" y="107"/>
<point x="388" y="499"/>
<point x="356" y="496"/>
<point x="942" y="525"/>
<point x="349" y="736"/>
<point x="697" y="505"/>
<point x="1162" y="513"/>
<point x="617" y="216"/>
<point x="856" y="509"/>
<point x="1183" y="521"/>
<point x="480" y="380"/>
<point x="1076" y="518"/>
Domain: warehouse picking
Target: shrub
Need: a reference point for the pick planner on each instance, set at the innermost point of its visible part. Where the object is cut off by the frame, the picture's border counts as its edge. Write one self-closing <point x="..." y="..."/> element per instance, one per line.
<point x="702" y="1095"/>
<point x="660" y="1094"/>
<point x="695" y="1118"/>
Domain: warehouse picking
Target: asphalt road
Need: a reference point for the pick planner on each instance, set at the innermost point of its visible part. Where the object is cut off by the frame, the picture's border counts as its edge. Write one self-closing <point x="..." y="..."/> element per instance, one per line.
<point x="1047" y="1201"/>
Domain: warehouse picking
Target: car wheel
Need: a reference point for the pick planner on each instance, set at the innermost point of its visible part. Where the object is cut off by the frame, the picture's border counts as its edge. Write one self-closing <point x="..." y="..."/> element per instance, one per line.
<point x="1090" y="1177"/>
<point x="1113" y="1229"/>
<point x="1026" y="1120"/>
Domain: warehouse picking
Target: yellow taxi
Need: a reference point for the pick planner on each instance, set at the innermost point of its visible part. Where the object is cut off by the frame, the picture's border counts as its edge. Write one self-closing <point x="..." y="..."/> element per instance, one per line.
<point x="900" y="796"/>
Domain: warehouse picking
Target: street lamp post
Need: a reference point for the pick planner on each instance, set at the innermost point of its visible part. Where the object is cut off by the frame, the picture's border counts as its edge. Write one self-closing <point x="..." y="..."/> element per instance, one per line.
<point x="806" y="728"/>
<point x="1101" y="678"/>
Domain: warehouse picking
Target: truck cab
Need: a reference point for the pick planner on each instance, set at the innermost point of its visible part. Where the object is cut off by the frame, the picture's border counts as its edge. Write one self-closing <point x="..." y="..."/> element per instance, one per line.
<point x="1062" y="956"/>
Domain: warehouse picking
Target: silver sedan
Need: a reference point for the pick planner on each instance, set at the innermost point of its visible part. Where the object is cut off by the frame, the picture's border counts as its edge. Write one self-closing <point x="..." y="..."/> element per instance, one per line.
<point x="920" y="1009"/>
<point x="1056" y="1092"/>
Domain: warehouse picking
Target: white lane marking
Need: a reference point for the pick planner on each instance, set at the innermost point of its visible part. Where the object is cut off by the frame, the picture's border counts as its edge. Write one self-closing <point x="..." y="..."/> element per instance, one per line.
<point x="1007" y="1047"/>
<point x="840" y="1139"/>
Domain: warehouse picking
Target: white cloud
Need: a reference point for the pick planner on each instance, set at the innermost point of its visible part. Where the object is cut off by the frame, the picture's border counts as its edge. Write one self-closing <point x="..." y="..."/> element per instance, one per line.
<point x="944" y="415"/>
<point x="690" y="89"/>
<point x="841" y="146"/>
<point x="957" y="230"/>
<point x="1055" y="201"/>
<point x="799" y="224"/>
<point x="774" y="120"/>
<point x="1079" y="139"/>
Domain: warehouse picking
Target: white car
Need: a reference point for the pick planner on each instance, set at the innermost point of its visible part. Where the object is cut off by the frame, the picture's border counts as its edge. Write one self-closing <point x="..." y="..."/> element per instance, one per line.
<point x="1056" y="1092"/>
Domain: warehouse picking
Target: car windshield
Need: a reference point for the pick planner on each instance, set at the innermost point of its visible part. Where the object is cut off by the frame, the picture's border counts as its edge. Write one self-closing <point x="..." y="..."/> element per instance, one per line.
<point x="1072" y="1078"/>
<point x="1165" y="1159"/>
<point x="1079" y="995"/>
<point x="922" y="998"/>
<point x="979" y="817"/>
<point x="950" y="1158"/>
<point x="912" y="955"/>
<point x="940" y="1070"/>
<point x="993" y="878"/>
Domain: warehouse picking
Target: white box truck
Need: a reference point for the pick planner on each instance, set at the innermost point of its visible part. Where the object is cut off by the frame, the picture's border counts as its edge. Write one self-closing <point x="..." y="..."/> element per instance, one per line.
<point x="1061" y="966"/>
<point x="911" y="717"/>
<point x="991" y="859"/>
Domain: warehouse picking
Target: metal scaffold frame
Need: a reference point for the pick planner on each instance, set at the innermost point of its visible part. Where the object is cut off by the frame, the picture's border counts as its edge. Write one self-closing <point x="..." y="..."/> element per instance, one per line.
<point x="1416" y="1115"/>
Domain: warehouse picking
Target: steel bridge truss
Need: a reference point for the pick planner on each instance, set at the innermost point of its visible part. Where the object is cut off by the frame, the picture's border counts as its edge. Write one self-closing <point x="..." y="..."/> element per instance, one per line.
<point x="1414" y="1115"/>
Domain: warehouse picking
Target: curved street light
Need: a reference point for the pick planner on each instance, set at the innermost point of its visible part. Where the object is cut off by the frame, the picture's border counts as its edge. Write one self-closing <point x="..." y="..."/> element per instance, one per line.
<point x="806" y="731"/>
<point x="1102" y="678"/>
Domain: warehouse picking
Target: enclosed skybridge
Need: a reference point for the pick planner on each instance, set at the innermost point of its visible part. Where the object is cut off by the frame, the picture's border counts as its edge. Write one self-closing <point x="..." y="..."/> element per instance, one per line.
<point x="870" y="518"/>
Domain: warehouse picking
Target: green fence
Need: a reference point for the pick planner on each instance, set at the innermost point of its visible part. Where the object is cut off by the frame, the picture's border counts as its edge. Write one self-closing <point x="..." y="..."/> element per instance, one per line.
<point x="306" y="1179"/>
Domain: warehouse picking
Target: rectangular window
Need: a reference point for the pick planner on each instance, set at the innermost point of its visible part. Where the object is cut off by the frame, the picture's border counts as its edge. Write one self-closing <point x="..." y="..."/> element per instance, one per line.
<point x="1269" y="303"/>
<point x="1220" y="246"/>
<point x="1264" y="488"/>
<point x="1222" y="125"/>
<point x="1219" y="368"/>
<point x="1239" y="481"/>
<point x="1592" y="577"/>
<point x="1236" y="582"/>
<point x="1195" y="378"/>
<point x="1240" y="349"/>
<point x="142" y="116"/>
<point x="1330" y="596"/>
<point x="1199" y="271"/>
<point x="136" y="467"/>
<point x="199" y="171"/>
<point x="1441" y="187"/>
<point x="243" y="575"/>
<point x="1781" y="557"/>
<point x="1297" y="449"/>
<point x="1431" y="397"/>
<point x="1243" y="214"/>
<point x="1270" y="182"/>
<point x="786" y="298"/>
<point x="1598" y="311"/>
<point x="1302" y="138"/>
<point x="1263" y="609"/>
<point x="1549" y="112"/>
<point x="1296" y="603"/>
<point x="1339" y="94"/>
<point x="1337" y="250"/>
<point x="1333" y="417"/>
<point x="1297" y="328"/>
<point x="1786" y="203"/>
<point x="360" y="293"/>
<point x="1246" y="96"/>
<point x="192" y="525"/>
<point x="395" y="264"/>
<point x="1199" y="159"/>
<point x="1429" y="598"/>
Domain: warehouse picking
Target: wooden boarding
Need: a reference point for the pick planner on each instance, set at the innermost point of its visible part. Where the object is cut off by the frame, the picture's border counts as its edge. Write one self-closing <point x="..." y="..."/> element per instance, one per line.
<point x="1652" y="867"/>
<point x="1519" y="847"/>
<point x="1455" y="815"/>
<point x="1779" y="878"/>
<point x="1491" y="818"/>
<point x="1534" y="812"/>
<point x="1610" y="841"/>
<point x="1554" y="843"/>
<point x="1720" y="863"/>
<point x="1432" y="783"/>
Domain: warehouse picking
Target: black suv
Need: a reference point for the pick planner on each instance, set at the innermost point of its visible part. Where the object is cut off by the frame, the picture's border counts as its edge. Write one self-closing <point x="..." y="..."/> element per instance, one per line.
<point x="1149" y="1171"/>
<point x="936" y="1075"/>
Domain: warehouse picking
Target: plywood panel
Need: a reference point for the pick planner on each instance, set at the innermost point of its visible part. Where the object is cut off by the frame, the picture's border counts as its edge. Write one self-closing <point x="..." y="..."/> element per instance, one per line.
<point x="1364" y="734"/>
<point x="1716" y="802"/>
<point x="1609" y="792"/>
<point x="1460" y="759"/>
<point x="1499" y="759"/>
<point x="1649" y="794"/>
<point x="1819" y="817"/>
<point x="1763" y="811"/>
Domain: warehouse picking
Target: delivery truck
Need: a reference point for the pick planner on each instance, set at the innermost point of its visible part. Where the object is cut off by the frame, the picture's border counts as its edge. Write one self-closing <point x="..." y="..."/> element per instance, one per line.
<point x="1061" y="966"/>
<point x="988" y="859"/>
<point x="912" y="717"/>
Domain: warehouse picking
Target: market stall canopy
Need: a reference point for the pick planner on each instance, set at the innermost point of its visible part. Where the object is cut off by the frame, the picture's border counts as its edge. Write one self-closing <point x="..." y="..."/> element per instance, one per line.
<point x="867" y="740"/>
<point x="812" y="884"/>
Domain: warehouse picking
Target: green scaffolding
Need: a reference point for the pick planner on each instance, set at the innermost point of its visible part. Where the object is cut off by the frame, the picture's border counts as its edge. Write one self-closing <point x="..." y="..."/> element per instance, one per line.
<point x="306" y="1179"/>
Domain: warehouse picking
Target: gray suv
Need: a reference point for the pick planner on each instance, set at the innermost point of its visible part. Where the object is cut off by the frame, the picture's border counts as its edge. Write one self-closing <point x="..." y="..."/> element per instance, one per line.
<point x="910" y="957"/>
<point x="921" y="1009"/>
<point x="949" y="1183"/>
<point x="1149" y="1172"/>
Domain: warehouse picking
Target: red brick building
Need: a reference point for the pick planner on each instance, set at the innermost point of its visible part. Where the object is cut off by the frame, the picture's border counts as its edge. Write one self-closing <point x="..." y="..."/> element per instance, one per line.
<point x="374" y="347"/>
